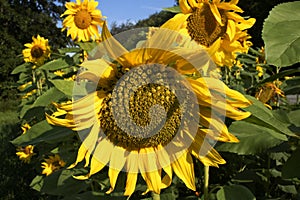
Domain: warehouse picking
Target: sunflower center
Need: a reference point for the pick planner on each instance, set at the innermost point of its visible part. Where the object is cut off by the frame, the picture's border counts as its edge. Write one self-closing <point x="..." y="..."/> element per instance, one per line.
<point x="152" y="108"/>
<point x="82" y="19"/>
<point x="204" y="28"/>
<point x="36" y="51"/>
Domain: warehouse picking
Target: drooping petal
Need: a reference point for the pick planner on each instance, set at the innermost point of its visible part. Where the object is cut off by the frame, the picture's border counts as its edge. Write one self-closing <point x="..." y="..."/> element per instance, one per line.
<point x="130" y="183"/>
<point x="87" y="146"/>
<point x="114" y="48"/>
<point x="215" y="11"/>
<point x="117" y="161"/>
<point x="149" y="169"/>
<point x="203" y="151"/>
<point x="184" y="168"/>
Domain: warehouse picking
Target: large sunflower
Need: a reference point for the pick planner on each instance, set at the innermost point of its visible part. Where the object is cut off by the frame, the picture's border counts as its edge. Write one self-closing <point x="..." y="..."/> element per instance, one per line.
<point x="37" y="51"/>
<point x="82" y="20"/>
<point x="143" y="118"/>
<point x="216" y="26"/>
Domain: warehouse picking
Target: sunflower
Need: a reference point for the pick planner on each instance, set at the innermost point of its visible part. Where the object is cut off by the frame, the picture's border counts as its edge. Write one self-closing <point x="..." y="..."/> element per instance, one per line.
<point x="146" y="118"/>
<point x="37" y="51"/>
<point x="82" y="20"/>
<point x="25" y="127"/>
<point x="215" y="25"/>
<point x="25" y="153"/>
<point x="52" y="164"/>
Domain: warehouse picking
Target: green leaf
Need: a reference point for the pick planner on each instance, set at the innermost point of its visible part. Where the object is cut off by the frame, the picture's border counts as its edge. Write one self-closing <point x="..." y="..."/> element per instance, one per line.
<point x="279" y="75"/>
<point x="263" y="116"/>
<point x="88" y="46"/>
<point x="69" y="50"/>
<point x="51" y="95"/>
<point x="37" y="183"/>
<point x="57" y="64"/>
<point x="64" y="86"/>
<point x="42" y="132"/>
<point x="281" y="34"/>
<point x="294" y="117"/>
<point x="291" y="168"/>
<point x="253" y="138"/>
<point x="72" y="88"/>
<point x="174" y="9"/>
<point x="288" y="189"/>
<point x="22" y="68"/>
<point x="292" y="86"/>
<point x="235" y="192"/>
<point x="62" y="183"/>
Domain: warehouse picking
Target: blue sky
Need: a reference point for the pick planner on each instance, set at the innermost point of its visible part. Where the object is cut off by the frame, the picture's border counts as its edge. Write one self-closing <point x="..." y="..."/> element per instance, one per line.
<point x="120" y="11"/>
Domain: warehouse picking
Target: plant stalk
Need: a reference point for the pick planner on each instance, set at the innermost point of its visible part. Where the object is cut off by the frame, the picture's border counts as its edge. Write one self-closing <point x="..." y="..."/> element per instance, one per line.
<point x="206" y="182"/>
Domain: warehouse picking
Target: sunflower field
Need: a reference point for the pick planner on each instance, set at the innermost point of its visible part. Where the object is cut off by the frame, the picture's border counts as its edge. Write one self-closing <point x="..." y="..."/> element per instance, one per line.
<point x="190" y="109"/>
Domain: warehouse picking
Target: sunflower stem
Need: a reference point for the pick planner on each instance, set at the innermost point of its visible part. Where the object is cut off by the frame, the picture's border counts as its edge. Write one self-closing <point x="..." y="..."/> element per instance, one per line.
<point x="206" y="180"/>
<point x="155" y="196"/>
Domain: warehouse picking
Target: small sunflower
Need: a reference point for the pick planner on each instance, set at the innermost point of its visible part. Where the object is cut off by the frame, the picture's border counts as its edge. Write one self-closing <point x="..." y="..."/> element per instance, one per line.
<point x="37" y="51"/>
<point x="25" y="127"/>
<point x="269" y="92"/>
<point x="215" y="25"/>
<point x="124" y="118"/>
<point x="52" y="164"/>
<point x="82" y="20"/>
<point x="25" y="153"/>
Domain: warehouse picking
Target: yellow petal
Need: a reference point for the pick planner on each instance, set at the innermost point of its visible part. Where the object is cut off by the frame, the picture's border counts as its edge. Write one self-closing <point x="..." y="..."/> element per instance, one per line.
<point x="113" y="176"/>
<point x="215" y="11"/>
<point x="87" y="146"/>
<point x="203" y="151"/>
<point x="229" y="6"/>
<point x="130" y="183"/>
<point x="117" y="161"/>
<point x="177" y="22"/>
<point x="236" y="98"/>
<point x="114" y="48"/>
<point x="101" y="155"/>
<point x="153" y="180"/>
<point x="167" y="179"/>
<point x="149" y="169"/>
<point x="184" y="168"/>
<point x="230" y="29"/>
<point x="132" y="162"/>
<point x="184" y="6"/>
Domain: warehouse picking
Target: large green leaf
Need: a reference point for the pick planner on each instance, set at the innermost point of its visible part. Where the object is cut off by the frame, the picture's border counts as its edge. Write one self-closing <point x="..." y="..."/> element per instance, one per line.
<point x="235" y="192"/>
<point x="59" y="183"/>
<point x="22" y="68"/>
<point x="64" y="86"/>
<point x="281" y="34"/>
<point x="57" y="64"/>
<point x="72" y="88"/>
<point x="42" y="132"/>
<point x="51" y="95"/>
<point x="291" y="167"/>
<point x="253" y="138"/>
<point x="263" y="116"/>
